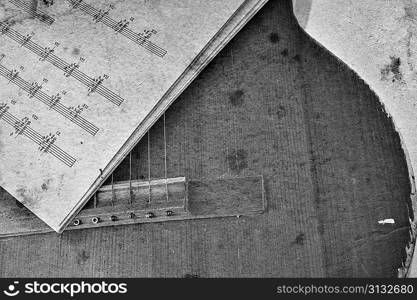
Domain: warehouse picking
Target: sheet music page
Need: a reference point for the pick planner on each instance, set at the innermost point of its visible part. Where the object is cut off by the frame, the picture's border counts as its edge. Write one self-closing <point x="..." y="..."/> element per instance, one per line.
<point x="78" y="77"/>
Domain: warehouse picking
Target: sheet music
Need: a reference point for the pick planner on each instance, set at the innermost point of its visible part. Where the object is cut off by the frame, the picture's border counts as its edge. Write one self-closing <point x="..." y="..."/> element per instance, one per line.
<point x="78" y="77"/>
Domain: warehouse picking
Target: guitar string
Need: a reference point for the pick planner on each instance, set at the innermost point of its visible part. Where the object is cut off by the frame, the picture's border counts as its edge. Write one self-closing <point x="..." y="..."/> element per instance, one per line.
<point x="130" y="199"/>
<point x="149" y="165"/>
<point x="112" y="189"/>
<point x="165" y="160"/>
<point x="130" y="179"/>
<point x="131" y="193"/>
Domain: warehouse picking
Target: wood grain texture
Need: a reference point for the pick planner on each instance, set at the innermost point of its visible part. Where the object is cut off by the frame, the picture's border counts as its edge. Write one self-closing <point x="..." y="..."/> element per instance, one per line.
<point x="272" y="103"/>
<point x="152" y="201"/>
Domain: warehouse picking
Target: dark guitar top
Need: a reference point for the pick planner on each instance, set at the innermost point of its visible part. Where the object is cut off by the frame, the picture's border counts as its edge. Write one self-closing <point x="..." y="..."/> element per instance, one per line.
<point x="275" y="104"/>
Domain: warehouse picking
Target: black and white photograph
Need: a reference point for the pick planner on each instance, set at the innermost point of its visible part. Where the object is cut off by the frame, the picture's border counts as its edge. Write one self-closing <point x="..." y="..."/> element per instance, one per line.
<point x="243" y="147"/>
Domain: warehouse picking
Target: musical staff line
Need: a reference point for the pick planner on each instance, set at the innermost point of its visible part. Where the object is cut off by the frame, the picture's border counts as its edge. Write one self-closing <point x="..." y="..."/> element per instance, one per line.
<point x="27" y="7"/>
<point x="120" y="27"/>
<point x="70" y="70"/>
<point x="46" y="143"/>
<point x="53" y="102"/>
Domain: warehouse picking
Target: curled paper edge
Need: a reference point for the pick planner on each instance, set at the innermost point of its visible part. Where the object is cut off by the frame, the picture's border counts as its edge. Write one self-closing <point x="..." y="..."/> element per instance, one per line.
<point x="315" y="17"/>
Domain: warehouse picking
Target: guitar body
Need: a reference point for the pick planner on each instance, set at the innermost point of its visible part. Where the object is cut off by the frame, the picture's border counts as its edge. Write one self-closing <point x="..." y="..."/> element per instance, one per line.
<point x="272" y="104"/>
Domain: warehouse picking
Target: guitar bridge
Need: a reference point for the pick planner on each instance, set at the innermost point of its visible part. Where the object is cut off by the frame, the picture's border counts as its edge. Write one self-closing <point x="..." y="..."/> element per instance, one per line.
<point x="172" y="199"/>
<point x="135" y="202"/>
<point x="159" y="200"/>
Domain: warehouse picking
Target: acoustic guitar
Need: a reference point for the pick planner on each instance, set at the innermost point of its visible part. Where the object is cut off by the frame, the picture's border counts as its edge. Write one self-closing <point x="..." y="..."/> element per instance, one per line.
<point x="277" y="161"/>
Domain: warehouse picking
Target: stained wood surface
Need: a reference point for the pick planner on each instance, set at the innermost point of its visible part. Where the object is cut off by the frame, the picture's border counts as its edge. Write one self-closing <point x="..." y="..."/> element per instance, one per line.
<point x="272" y="103"/>
<point x="138" y="201"/>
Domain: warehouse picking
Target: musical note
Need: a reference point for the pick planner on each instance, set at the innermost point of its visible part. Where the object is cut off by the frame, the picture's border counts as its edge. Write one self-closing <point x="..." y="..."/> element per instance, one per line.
<point x="53" y="102"/>
<point x="41" y="16"/>
<point x="13" y="74"/>
<point x="75" y="111"/>
<point x="3" y="109"/>
<point x="45" y="53"/>
<point x="75" y="3"/>
<point x="5" y="28"/>
<point x="20" y="126"/>
<point x="34" y="88"/>
<point x="96" y="83"/>
<point x="46" y="143"/>
<point x="26" y="39"/>
<point x="100" y="15"/>
<point x="121" y="27"/>
<point x="70" y="70"/>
